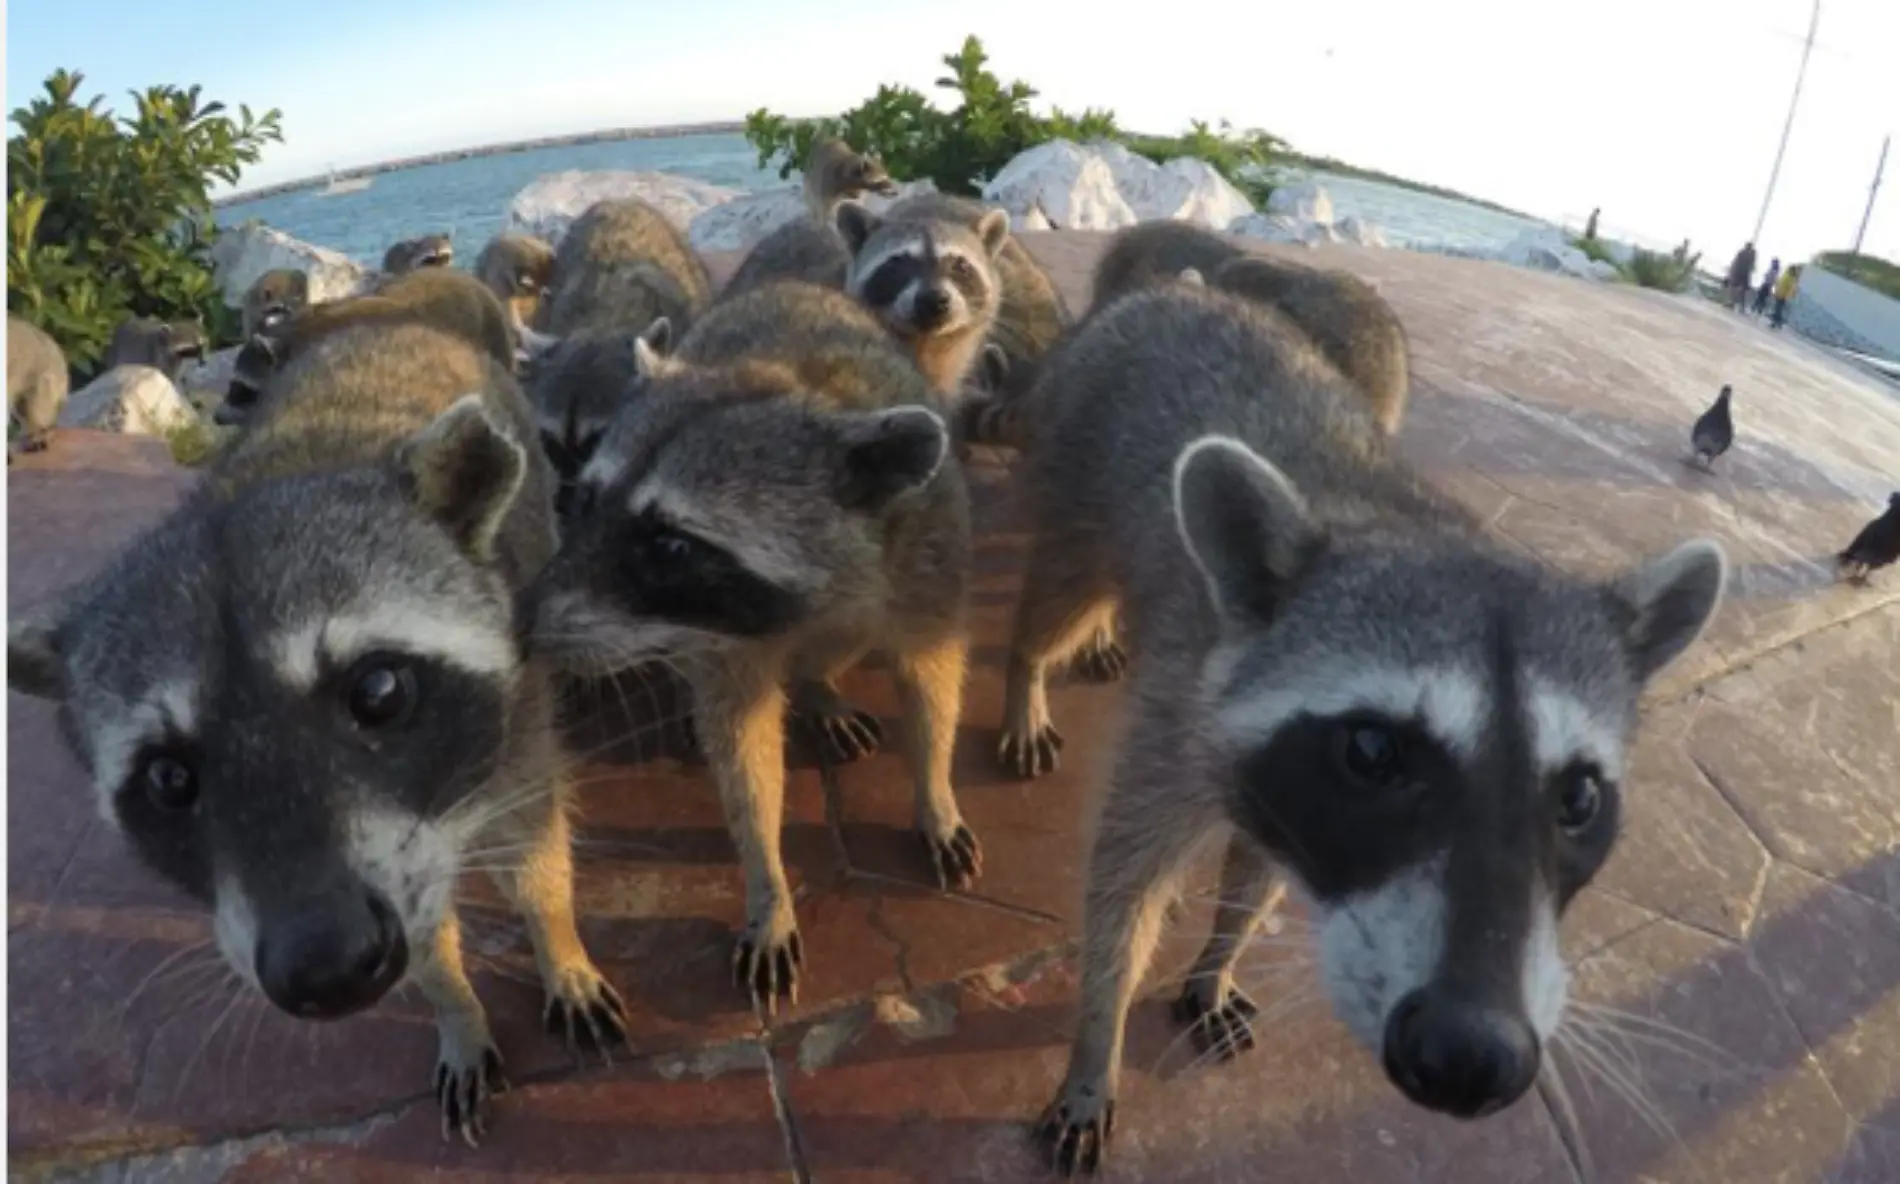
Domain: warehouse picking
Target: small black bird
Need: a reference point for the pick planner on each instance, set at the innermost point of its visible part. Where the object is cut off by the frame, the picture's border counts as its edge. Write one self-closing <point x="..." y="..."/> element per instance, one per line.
<point x="1714" y="431"/>
<point x="1876" y="546"/>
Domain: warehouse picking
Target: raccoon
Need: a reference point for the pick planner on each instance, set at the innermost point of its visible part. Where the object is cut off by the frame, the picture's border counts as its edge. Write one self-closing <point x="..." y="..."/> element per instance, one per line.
<point x="622" y="268"/>
<point x="1342" y="674"/>
<point x="452" y="301"/>
<point x="147" y="341"/>
<point x="302" y="699"/>
<point x="784" y="502"/>
<point x="809" y="248"/>
<point x="1344" y="316"/>
<point x="37" y="384"/>
<point x="518" y="269"/>
<point x="1032" y="316"/>
<point x="431" y="250"/>
<point x="274" y="298"/>
<point x="933" y="283"/>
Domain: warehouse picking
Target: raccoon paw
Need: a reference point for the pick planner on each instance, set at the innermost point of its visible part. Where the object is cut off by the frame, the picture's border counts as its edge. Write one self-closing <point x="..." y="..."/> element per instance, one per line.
<point x="849" y="734"/>
<point x="1105" y="661"/>
<point x="1223" y="1027"/>
<point x="766" y="964"/>
<point x="957" y="856"/>
<point x="467" y="1076"/>
<point x="1033" y="755"/>
<point x="580" y="1000"/>
<point x="1076" y="1127"/>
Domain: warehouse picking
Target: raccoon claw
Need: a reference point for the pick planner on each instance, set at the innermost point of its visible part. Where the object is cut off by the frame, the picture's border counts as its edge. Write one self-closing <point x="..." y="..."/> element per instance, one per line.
<point x="768" y="970"/>
<point x="584" y="1001"/>
<point x="463" y="1091"/>
<point x="958" y="859"/>
<point x="850" y="736"/>
<point x="1076" y="1129"/>
<point x="1105" y="661"/>
<point x="1031" y="756"/>
<point x="1224" y="1030"/>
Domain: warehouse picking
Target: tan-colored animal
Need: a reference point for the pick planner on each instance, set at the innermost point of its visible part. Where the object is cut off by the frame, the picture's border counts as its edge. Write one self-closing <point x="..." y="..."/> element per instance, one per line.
<point x="273" y="298"/>
<point x="303" y="699"/>
<point x="430" y="250"/>
<point x="1344" y="316"/>
<point x="518" y="269"/>
<point x="809" y="248"/>
<point x="785" y="501"/>
<point x="452" y="301"/>
<point x="37" y="384"/>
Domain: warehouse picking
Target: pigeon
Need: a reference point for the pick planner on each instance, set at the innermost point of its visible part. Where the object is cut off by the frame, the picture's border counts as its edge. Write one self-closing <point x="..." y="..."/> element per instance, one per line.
<point x="1876" y="546"/>
<point x="1714" y="431"/>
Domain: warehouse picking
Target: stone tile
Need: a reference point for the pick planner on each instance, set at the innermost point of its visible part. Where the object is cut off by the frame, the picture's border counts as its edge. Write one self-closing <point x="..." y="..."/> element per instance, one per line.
<point x="956" y="1101"/>
<point x="1695" y="1074"/>
<point x="1684" y="852"/>
<point x="1872" y="1158"/>
<point x="1833" y="959"/>
<point x="78" y="502"/>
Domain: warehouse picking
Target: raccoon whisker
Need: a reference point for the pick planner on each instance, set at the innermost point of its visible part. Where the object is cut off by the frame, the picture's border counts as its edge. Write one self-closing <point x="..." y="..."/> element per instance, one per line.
<point x="1621" y="1080"/>
<point x="178" y="961"/>
<point x="1564" y="1113"/>
<point x="1634" y="1026"/>
<point x="211" y="1033"/>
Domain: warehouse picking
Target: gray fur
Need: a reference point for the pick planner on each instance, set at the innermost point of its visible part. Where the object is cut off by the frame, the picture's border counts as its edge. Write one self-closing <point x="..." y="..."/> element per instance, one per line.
<point x="1294" y="593"/>
<point x="380" y="516"/>
<point x="518" y="269"/>
<point x="147" y="341"/>
<point x="274" y="298"/>
<point x="37" y="384"/>
<point x="429" y="250"/>
<point x="782" y="502"/>
<point x="808" y="247"/>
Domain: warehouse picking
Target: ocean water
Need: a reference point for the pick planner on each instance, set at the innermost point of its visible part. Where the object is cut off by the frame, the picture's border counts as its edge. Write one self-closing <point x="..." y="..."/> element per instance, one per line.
<point x="469" y="198"/>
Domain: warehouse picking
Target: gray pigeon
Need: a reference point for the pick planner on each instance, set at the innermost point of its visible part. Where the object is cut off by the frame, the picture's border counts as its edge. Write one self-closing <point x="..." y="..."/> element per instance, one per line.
<point x="1876" y="546"/>
<point x="1714" y="431"/>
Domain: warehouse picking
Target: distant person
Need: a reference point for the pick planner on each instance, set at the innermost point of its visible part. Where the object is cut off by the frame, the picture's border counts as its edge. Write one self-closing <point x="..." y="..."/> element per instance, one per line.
<point x="1785" y="288"/>
<point x="1590" y="227"/>
<point x="1767" y="288"/>
<point x="1741" y="275"/>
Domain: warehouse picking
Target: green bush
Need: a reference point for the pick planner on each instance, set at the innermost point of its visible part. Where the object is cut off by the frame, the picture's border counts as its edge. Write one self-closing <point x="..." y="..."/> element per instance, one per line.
<point x="1868" y="270"/>
<point x="960" y="148"/>
<point x="1672" y="271"/>
<point x="110" y="217"/>
<point x="1593" y="248"/>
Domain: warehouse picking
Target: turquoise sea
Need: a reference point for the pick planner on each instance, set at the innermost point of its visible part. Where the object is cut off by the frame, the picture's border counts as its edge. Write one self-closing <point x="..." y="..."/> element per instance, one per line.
<point x="469" y="198"/>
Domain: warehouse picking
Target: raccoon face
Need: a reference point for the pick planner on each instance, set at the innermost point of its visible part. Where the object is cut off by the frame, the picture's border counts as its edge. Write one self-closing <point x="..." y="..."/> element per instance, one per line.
<point x="709" y="520"/>
<point x="871" y="177"/>
<point x="1430" y="739"/>
<point x="578" y="385"/>
<point x="922" y="279"/>
<point x="434" y="250"/>
<point x="287" y="699"/>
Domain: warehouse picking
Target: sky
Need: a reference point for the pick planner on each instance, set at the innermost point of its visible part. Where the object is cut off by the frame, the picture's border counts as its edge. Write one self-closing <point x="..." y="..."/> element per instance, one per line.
<point x="1664" y="113"/>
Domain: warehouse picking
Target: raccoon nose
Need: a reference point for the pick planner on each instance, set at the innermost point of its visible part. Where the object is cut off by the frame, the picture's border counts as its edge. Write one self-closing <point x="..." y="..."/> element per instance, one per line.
<point x="1458" y="1058"/>
<point x="329" y="963"/>
<point x="933" y="305"/>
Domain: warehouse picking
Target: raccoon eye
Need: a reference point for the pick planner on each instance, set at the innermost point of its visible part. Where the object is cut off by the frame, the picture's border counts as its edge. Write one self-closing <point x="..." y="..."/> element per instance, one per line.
<point x="1371" y="755"/>
<point x="170" y="783"/>
<point x="670" y="546"/>
<point x="1582" y="800"/>
<point x="382" y="692"/>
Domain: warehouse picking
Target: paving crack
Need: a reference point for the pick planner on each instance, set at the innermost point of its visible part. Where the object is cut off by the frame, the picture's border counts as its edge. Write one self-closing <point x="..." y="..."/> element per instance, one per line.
<point x="1022" y="912"/>
<point x="115" y="1163"/>
<point x="787" y="1121"/>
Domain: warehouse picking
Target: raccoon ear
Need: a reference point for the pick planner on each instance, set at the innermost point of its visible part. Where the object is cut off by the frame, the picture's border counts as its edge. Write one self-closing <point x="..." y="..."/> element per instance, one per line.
<point x="464" y="471"/>
<point x="855" y="223"/>
<point x="995" y="367"/>
<point x="33" y="661"/>
<point x="887" y="453"/>
<point x="1244" y="524"/>
<point x="993" y="229"/>
<point x="1670" y="600"/>
<point x="650" y="348"/>
<point x="659" y="335"/>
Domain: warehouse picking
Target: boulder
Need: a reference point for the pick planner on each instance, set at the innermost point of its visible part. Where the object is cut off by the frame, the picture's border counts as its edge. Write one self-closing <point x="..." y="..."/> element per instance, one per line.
<point x="1545" y="248"/>
<point x="1604" y="270"/>
<point x="737" y="225"/>
<point x="1271" y="228"/>
<point x="244" y="252"/>
<point x="1354" y="229"/>
<point x="1184" y="188"/>
<point x="135" y="400"/>
<point x="1307" y="201"/>
<point x="548" y="206"/>
<point x="204" y="383"/>
<point x="1035" y="219"/>
<point x="1074" y="185"/>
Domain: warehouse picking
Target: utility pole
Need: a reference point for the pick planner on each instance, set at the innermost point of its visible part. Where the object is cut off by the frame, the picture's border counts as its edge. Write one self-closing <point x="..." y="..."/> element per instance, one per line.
<point x="1879" y="171"/>
<point x="1800" y="75"/>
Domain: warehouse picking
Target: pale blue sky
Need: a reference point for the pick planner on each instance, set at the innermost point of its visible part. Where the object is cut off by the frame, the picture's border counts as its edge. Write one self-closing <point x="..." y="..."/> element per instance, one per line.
<point x="1663" y="112"/>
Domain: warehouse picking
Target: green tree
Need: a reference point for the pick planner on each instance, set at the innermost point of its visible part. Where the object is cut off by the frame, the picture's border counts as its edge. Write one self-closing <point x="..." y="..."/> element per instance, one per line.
<point x="110" y="216"/>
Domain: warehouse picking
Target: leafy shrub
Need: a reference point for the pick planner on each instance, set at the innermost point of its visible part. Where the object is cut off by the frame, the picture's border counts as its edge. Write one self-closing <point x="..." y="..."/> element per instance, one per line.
<point x="1593" y="248"/>
<point x="1868" y="270"/>
<point x="1673" y="271"/>
<point x="110" y="217"/>
<point x="960" y="148"/>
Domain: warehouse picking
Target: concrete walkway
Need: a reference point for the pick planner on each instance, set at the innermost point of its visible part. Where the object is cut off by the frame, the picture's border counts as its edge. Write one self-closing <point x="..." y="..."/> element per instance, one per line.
<point x="1739" y="959"/>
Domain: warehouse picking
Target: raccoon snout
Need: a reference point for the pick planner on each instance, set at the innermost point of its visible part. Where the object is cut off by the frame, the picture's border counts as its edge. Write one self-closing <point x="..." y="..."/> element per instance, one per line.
<point x="1458" y="1058"/>
<point x="931" y="308"/>
<point x="330" y="962"/>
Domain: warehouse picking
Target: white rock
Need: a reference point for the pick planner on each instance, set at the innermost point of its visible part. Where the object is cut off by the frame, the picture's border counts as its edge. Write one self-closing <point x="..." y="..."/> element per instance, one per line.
<point x="549" y="205"/>
<point x="1272" y="228"/>
<point x="136" y="400"/>
<point x="204" y="383"/>
<point x="1546" y="249"/>
<point x="1075" y="186"/>
<point x="1035" y="219"/>
<point x="1306" y="200"/>
<point x="244" y="252"/>
<point x="1354" y="229"/>
<point x="737" y="224"/>
<point x="1602" y="269"/>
